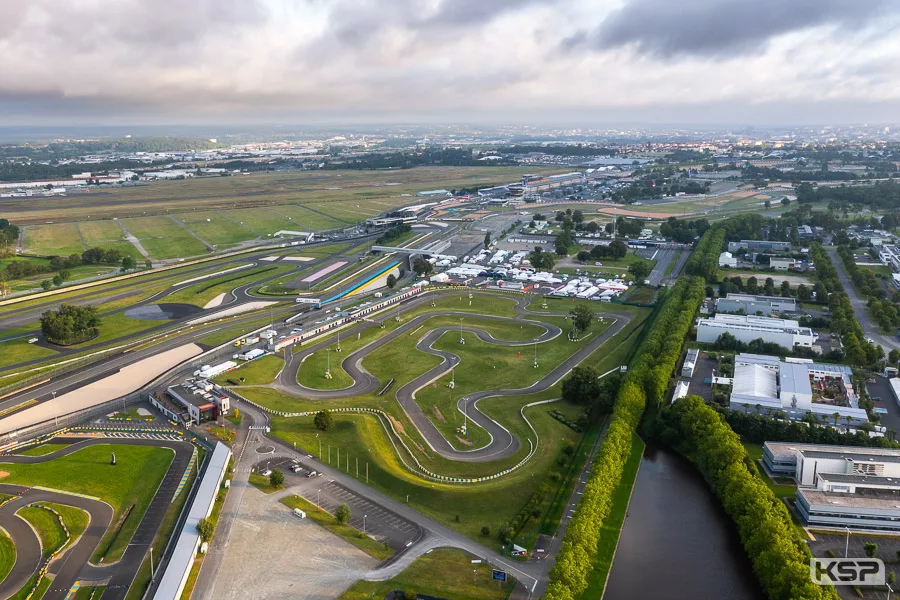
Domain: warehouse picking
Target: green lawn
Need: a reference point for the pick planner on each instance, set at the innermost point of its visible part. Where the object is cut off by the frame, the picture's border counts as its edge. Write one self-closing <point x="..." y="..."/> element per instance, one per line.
<point x="305" y="220"/>
<point x="785" y="488"/>
<point x="76" y="520"/>
<point x="25" y="593"/>
<point x="443" y="573"/>
<point x="7" y="555"/>
<point x="46" y="524"/>
<point x="19" y="350"/>
<point x="131" y="482"/>
<point x="261" y="371"/>
<point x="42" y="449"/>
<point x="612" y="526"/>
<point x="262" y="220"/>
<point x="345" y="531"/>
<point x="107" y="235"/>
<point x="60" y="239"/>
<point x="216" y="228"/>
<point x="116" y="326"/>
<point x="311" y="373"/>
<point x="163" y="238"/>
<point x="262" y="483"/>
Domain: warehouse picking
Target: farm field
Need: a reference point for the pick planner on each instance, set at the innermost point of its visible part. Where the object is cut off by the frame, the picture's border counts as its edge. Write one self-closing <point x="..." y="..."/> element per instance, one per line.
<point x="261" y="220"/>
<point x="215" y="228"/>
<point x="59" y="239"/>
<point x="164" y="238"/>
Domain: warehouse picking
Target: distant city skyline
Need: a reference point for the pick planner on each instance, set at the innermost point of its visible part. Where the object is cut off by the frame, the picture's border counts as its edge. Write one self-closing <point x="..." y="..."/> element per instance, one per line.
<point x="644" y="62"/>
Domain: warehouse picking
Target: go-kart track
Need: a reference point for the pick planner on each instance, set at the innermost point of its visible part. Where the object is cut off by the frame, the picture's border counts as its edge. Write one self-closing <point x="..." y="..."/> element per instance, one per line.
<point x="503" y="444"/>
<point x="74" y="563"/>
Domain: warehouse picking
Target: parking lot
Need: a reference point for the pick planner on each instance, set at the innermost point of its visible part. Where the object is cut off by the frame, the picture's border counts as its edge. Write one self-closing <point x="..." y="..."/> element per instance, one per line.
<point x="380" y="523"/>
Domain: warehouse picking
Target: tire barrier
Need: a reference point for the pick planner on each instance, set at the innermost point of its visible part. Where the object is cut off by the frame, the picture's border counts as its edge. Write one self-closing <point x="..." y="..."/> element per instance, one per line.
<point x="187" y="474"/>
<point x="42" y="572"/>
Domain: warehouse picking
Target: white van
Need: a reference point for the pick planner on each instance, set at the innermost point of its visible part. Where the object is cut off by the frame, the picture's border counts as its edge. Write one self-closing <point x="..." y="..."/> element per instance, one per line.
<point x="299" y="513"/>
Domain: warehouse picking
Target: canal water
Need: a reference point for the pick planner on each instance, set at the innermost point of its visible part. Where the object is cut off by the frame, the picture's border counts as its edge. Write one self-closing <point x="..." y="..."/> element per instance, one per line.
<point x="677" y="542"/>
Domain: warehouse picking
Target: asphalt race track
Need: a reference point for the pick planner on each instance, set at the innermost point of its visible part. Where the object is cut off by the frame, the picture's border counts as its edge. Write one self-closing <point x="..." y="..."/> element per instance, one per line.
<point x="503" y="444"/>
<point x="73" y="564"/>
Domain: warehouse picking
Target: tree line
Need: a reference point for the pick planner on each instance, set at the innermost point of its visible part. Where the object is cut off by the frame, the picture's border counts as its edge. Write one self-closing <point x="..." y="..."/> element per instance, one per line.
<point x="780" y="558"/>
<point x="883" y="310"/>
<point x="646" y="380"/>
<point x="704" y="261"/>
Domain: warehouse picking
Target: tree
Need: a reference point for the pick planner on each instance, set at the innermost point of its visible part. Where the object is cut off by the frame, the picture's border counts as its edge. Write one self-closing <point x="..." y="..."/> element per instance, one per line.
<point x="541" y="260"/>
<point x="206" y="528"/>
<point x="581" y="317"/>
<point x="57" y="280"/>
<point x="128" y="264"/>
<point x="46" y="285"/>
<point x="582" y="386"/>
<point x="323" y="420"/>
<point x="69" y="324"/>
<point x="422" y="267"/>
<point x="871" y="549"/>
<point x="148" y="263"/>
<point x="583" y="256"/>
<point x="486" y="531"/>
<point x="577" y="216"/>
<point x="894" y="356"/>
<point x="640" y="269"/>
<point x="276" y="478"/>
<point x="563" y="241"/>
<point x="391" y="281"/>
<point x="785" y="201"/>
<point x="342" y="514"/>
<point x="487" y="239"/>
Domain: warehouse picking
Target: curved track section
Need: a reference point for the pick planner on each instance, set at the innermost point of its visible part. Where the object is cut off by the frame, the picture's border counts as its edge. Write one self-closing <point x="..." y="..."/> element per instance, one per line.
<point x="73" y="564"/>
<point x="503" y="443"/>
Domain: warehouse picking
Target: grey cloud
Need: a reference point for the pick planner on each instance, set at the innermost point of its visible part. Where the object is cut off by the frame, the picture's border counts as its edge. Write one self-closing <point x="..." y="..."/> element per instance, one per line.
<point x="721" y="28"/>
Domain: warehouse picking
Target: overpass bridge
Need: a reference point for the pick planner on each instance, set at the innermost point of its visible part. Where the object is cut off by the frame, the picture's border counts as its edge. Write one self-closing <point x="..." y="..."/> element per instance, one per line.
<point x="434" y="252"/>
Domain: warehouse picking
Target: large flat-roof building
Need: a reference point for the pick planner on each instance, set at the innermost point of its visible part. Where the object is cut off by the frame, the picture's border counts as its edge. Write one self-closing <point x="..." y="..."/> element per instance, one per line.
<point x="796" y="388"/>
<point x="752" y="305"/>
<point x="746" y="328"/>
<point x="841" y="486"/>
<point x="754" y="246"/>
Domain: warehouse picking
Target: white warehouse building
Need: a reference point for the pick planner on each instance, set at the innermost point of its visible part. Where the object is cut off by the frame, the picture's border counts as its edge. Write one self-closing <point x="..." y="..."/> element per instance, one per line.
<point x="746" y="328"/>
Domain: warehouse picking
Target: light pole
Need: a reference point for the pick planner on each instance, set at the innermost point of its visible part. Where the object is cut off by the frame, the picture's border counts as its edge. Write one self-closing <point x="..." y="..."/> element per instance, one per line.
<point x="364" y="524"/>
<point x="461" y="339"/>
<point x="317" y="499"/>
<point x="847" y="543"/>
<point x="535" y="354"/>
<point x="328" y="368"/>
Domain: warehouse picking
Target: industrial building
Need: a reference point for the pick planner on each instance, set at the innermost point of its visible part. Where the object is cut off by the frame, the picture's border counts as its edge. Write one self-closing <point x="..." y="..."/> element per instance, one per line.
<point x="203" y="401"/>
<point x="746" y="328"/>
<point x="796" y="388"/>
<point x="841" y="486"/>
<point x="727" y="259"/>
<point x="752" y="305"/>
<point x="783" y="264"/>
<point x="754" y="246"/>
<point x="690" y="362"/>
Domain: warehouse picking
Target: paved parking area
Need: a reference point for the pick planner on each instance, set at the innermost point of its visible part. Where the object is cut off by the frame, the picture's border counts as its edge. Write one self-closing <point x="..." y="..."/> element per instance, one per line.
<point x="380" y="523"/>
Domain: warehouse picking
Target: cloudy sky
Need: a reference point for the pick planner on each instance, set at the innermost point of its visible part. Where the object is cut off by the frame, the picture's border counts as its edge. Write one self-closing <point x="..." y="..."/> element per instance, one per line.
<point x="599" y="61"/>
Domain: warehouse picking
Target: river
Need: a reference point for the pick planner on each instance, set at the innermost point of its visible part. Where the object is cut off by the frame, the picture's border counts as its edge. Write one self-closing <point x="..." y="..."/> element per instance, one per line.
<point x="677" y="542"/>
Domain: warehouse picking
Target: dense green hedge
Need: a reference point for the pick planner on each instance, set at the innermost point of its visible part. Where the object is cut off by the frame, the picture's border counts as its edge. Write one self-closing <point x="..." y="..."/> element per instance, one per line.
<point x="704" y="262"/>
<point x="647" y="379"/>
<point x="780" y="558"/>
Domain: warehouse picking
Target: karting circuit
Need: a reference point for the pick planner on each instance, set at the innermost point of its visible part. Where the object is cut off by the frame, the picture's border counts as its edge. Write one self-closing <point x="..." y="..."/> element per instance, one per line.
<point x="60" y="508"/>
<point x="502" y="442"/>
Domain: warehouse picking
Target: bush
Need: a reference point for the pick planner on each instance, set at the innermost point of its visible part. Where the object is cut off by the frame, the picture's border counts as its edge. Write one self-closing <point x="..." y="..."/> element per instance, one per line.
<point x="342" y="514"/>
<point x="486" y="532"/>
<point x="276" y="478"/>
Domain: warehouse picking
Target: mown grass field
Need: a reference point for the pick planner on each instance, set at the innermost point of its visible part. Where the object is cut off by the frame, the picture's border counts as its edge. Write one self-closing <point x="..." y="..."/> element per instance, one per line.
<point x="60" y="239"/>
<point x="19" y="350"/>
<point x="303" y="219"/>
<point x="215" y="228"/>
<point x="107" y="234"/>
<point x="373" y="190"/>
<point x="442" y="573"/>
<point x="164" y="238"/>
<point x="47" y="526"/>
<point x="200" y="293"/>
<point x="256" y="372"/>
<point x="132" y="481"/>
<point x="42" y="449"/>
